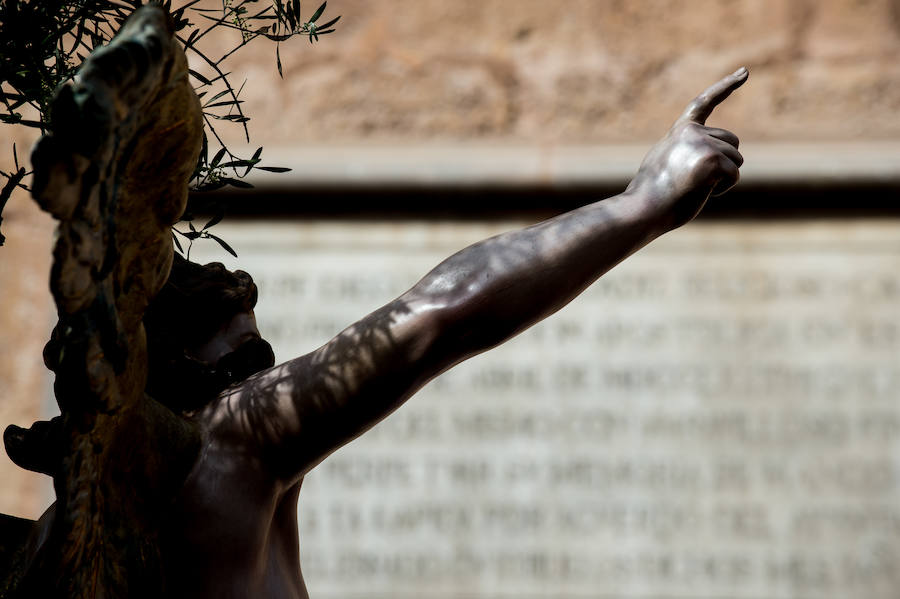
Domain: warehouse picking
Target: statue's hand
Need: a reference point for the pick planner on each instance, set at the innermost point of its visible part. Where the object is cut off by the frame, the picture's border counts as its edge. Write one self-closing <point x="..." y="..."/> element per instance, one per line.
<point x="692" y="161"/>
<point x="39" y="448"/>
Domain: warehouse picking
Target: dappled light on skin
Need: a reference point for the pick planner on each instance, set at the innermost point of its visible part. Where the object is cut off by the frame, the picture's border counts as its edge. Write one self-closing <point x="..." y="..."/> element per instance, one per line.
<point x="232" y="531"/>
<point x="265" y="433"/>
<point x="306" y="402"/>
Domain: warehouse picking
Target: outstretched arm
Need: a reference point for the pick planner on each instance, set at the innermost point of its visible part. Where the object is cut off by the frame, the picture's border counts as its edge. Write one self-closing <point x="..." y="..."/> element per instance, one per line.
<point x="301" y="411"/>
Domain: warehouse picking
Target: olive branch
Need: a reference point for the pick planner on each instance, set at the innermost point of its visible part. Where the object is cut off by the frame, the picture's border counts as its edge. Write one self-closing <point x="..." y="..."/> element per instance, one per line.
<point x="42" y="45"/>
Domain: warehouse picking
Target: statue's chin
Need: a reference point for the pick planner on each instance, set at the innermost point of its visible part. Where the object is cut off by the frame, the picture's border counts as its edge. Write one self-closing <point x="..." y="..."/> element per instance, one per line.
<point x="190" y="384"/>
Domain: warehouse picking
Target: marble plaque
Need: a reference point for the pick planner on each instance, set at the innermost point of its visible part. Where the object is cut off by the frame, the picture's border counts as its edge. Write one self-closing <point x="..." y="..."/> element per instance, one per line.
<point x="717" y="417"/>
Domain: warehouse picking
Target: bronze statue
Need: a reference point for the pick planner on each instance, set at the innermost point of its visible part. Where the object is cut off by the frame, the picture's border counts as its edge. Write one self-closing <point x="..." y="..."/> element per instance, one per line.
<point x="223" y="521"/>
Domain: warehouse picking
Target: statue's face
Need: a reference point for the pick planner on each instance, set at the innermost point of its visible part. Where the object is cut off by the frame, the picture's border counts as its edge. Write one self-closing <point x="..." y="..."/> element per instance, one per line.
<point x="230" y="336"/>
<point x="235" y="352"/>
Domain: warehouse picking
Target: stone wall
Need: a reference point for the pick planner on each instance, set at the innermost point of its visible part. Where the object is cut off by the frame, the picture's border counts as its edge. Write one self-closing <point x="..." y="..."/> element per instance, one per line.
<point x="579" y="71"/>
<point x="25" y="322"/>
<point x="26" y="318"/>
<point x="715" y="417"/>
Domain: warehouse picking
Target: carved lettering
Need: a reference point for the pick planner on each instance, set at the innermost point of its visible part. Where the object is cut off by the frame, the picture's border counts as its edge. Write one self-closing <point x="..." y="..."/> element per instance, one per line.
<point x="701" y="423"/>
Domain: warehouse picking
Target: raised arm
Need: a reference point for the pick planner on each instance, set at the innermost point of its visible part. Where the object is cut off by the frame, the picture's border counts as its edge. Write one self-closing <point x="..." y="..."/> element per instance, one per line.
<point x="301" y="411"/>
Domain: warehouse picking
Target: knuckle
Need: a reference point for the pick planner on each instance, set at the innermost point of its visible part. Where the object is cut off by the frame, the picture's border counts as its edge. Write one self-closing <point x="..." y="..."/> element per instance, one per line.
<point x="731" y="171"/>
<point x="710" y="160"/>
<point x="689" y="130"/>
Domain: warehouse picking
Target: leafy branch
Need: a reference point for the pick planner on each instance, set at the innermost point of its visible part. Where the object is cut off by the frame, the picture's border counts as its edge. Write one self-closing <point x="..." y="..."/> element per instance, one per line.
<point x="42" y="45"/>
<point x="13" y="179"/>
<point x="192" y="233"/>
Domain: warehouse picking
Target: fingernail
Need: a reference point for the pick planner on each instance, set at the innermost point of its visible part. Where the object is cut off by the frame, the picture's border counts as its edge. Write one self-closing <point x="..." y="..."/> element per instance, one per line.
<point x="741" y="72"/>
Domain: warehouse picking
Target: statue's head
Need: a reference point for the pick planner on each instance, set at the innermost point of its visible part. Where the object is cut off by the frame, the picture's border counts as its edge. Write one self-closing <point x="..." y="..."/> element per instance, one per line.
<point x="202" y="335"/>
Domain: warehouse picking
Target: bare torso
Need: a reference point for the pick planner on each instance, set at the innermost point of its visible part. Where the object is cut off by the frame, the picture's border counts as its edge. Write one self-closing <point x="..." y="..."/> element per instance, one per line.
<point x="233" y="530"/>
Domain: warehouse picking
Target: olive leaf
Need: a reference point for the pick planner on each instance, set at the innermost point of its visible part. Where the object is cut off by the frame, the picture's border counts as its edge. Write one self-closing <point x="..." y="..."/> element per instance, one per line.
<point x="42" y="44"/>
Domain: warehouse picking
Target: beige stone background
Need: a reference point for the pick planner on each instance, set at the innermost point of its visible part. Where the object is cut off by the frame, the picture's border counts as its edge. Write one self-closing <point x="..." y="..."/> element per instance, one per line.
<point x="588" y="71"/>
<point x="512" y="72"/>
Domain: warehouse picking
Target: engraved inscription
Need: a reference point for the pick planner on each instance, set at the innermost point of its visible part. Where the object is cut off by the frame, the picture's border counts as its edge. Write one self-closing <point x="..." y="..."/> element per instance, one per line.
<point x="716" y="417"/>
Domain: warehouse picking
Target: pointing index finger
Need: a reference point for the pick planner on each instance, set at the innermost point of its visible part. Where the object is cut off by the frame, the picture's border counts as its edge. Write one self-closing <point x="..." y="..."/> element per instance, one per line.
<point x="702" y="106"/>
